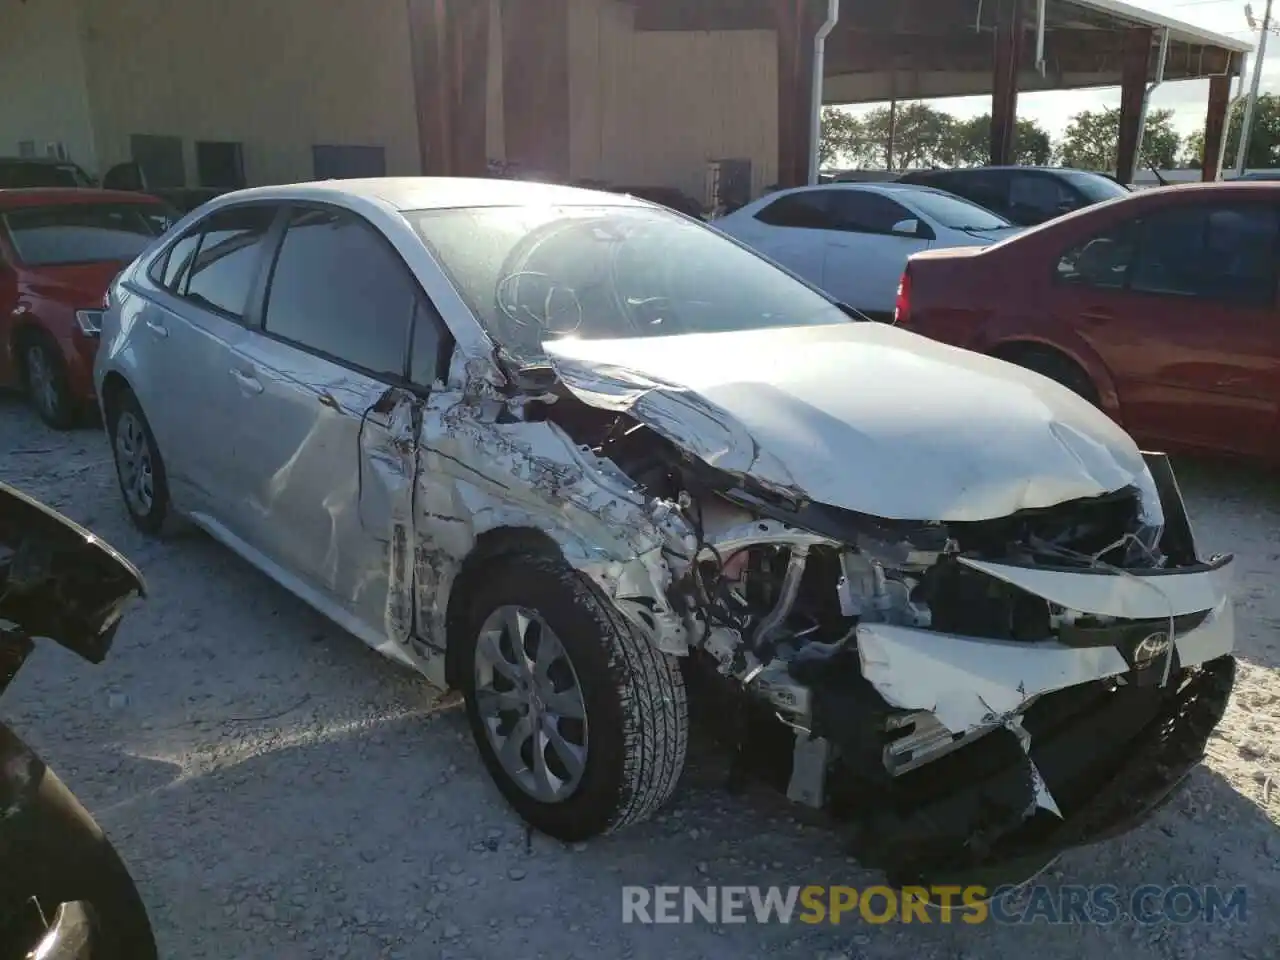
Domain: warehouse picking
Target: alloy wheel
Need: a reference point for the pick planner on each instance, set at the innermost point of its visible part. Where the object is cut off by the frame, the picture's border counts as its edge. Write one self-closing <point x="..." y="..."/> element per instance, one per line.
<point x="531" y="704"/>
<point x="41" y="381"/>
<point x="133" y="460"/>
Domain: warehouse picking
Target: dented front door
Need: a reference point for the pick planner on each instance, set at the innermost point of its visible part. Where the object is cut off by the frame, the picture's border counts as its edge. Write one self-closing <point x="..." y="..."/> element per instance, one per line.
<point x="333" y="450"/>
<point x="333" y="459"/>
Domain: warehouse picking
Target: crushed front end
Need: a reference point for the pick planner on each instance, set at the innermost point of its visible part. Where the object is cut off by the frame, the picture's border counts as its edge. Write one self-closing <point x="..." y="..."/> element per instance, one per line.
<point x="969" y="698"/>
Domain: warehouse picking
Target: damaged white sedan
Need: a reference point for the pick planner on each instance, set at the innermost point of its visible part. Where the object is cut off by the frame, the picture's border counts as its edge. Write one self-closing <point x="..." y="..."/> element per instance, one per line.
<point x="587" y="460"/>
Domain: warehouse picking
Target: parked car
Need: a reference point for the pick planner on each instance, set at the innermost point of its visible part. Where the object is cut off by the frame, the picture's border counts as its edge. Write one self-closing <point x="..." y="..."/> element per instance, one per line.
<point x="1027" y="196"/>
<point x="59" y="249"/>
<point x="853" y="239"/>
<point x="31" y="172"/>
<point x="1161" y="308"/>
<point x="583" y="458"/>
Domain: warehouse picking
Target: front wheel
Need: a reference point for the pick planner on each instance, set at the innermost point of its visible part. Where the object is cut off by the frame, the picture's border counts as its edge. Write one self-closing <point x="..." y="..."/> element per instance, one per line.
<point x="580" y="720"/>
<point x="47" y="386"/>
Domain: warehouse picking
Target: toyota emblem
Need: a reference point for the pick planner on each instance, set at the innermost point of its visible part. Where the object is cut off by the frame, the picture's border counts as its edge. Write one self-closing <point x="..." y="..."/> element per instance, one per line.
<point x="1152" y="646"/>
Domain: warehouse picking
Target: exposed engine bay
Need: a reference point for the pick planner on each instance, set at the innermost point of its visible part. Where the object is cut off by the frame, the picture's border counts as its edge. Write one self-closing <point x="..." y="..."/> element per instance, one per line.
<point x="911" y="678"/>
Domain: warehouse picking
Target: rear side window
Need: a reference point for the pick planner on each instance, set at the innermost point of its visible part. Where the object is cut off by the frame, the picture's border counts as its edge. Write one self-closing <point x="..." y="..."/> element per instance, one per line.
<point x="340" y="289"/>
<point x="1040" y="195"/>
<point x="807" y="209"/>
<point x="226" y="262"/>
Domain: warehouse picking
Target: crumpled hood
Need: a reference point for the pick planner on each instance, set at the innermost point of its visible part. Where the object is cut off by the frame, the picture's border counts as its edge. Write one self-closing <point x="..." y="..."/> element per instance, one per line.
<point x="863" y="416"/>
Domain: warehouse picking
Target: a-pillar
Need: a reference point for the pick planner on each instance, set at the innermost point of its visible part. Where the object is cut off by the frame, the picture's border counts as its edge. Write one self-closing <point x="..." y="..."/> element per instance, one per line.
<point x="1004" y="90"/>
<point x="450" y="56"/>
<point x="1135" y="73"/>
<point x="1215" y="126"/>
<point x="796" y="23"/>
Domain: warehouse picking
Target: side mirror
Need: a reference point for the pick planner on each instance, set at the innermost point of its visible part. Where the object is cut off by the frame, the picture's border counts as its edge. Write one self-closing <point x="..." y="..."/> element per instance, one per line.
<point x="907" y="228"/>
<point x="125" y="176"/>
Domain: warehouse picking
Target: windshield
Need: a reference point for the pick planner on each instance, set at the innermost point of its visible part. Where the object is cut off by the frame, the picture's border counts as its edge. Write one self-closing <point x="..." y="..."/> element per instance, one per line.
<point x="954" y="213"/>
<point x="1095" y="187"/>
<point x="85" y="233"/>
<point x="532" y="274"/>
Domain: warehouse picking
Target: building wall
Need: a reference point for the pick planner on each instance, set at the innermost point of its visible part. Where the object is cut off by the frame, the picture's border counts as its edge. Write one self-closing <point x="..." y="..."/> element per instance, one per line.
<point x="278" y="76"/>
<point x="42" y="80"/>
<point x="652" y="108"/>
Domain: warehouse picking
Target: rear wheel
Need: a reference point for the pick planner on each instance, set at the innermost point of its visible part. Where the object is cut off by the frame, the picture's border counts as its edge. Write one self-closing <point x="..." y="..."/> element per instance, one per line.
<point x="580" y="720"/>
<point x="1057" y="367"/>
<point x="138" y="465"/>
<point x="45" y="377"/>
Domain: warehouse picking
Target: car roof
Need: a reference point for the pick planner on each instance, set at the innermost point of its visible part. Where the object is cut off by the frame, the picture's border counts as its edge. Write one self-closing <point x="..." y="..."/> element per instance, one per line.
<point x="441" y="193"/>
<point x="57" y="196"/>
<point x="42" y="161"/>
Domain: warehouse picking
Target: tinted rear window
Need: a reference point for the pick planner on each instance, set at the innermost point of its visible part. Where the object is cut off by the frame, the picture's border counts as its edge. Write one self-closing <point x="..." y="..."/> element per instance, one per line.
<point x="84" y="233"/>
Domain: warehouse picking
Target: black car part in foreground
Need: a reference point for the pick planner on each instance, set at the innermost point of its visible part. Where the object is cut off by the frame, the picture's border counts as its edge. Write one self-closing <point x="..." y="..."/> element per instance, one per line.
<point x="65" y="894"/>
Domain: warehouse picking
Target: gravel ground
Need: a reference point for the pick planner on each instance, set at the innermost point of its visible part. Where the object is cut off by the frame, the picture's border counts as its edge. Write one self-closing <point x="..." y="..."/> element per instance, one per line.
<point x="281" y="792"/>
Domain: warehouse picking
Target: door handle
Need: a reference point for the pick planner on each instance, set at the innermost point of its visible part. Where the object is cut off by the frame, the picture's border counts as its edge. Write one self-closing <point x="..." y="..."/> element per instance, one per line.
<point x="156" y="327"/>
<point x="327" y="399"/>
<point x="247" y="381"/>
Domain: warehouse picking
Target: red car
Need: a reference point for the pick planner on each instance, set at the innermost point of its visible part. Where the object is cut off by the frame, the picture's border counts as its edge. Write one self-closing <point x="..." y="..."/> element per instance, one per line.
<point x="59" y="251"/>
<point x="1159" y="307"/>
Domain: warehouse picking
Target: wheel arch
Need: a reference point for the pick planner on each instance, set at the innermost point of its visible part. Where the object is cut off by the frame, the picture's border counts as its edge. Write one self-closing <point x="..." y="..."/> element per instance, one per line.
<point x="114" y="386"/>
<point x="1083" y="358"/>
<point x="494" y="544"/>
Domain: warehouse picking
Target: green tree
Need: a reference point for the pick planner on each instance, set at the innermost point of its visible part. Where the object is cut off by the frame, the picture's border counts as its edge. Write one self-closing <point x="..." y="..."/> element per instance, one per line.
<point x="1092" y="140"/>
<point x="1264" y="141"/>
<point x="841" y="131"/>
<point x="920" y="135"/>
<point x="970" y="143"/>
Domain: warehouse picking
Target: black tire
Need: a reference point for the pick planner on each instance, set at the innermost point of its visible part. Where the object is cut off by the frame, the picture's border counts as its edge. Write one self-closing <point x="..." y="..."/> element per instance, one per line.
<point x="1059" y="368"/>
<point x="634" y="696"/>
<point x="125" y="416"/>
<point x="51" y="849"/>
<point x="44" y="380"/>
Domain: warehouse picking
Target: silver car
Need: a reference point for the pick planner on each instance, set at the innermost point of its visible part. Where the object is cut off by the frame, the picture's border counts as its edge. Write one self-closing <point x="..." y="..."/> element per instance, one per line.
<point x="587" y="459"/>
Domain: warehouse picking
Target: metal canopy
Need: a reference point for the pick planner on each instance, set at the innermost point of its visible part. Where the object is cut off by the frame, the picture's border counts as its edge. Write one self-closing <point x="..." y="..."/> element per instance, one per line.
<point x="920" y="49"/>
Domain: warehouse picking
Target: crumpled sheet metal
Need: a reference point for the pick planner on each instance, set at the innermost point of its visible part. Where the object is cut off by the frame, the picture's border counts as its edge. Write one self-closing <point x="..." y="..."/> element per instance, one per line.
<point x="452" y="472"/>
<point x="968" y="683"/>
<point x="1129" y="596"/>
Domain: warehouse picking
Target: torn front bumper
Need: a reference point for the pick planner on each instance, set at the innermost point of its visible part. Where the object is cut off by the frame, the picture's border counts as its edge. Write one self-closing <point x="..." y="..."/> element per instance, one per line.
<point x="1057" y="744"/>
<point x="1109" y="757"/>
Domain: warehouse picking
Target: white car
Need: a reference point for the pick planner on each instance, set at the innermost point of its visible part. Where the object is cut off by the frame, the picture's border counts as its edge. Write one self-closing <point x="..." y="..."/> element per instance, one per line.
<point x="853" y="239"/>
<point x="586" y="459"/>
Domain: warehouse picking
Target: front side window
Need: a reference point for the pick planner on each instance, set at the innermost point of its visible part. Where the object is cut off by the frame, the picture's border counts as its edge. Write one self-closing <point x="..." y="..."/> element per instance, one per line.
<point x="1102" y="262"/>
<point x="1219" y="252"/>
<point x="534" y="274"/>
<point x="858" y="211"/>
<point x="806" y="210"/>
<point x="340" y="289"/>
<point x="225" y="264"/>
<point x="1040" y="194"/>
<point x="83" y="233"/>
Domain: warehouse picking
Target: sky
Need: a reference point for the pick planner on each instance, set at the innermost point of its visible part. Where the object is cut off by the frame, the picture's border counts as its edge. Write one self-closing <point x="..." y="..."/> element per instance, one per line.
<point x="1187" y="98"/>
